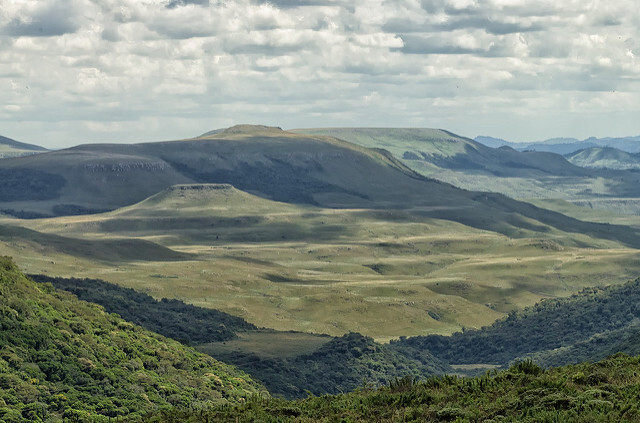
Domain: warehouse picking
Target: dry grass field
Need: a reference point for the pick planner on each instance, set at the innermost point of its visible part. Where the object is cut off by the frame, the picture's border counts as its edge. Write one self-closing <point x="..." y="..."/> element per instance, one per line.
<point x="382" y="273"/>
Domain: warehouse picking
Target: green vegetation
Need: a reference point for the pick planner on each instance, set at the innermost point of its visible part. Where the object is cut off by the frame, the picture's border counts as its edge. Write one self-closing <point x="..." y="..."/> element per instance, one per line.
<point x="590" y="325"/>
<point x="606" y="391"/>
<point x="290" y="364"/>
<point x="382" y="273"/>
<point x="339" y="365"/>
<point x="605" y="158"/>
<point x="170" y="318"/>
<point x="61" y="358"/>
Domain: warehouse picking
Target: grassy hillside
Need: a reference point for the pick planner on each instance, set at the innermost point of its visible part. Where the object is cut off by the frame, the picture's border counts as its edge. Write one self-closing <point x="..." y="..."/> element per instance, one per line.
<point x="446" y="150"/>
<point x="12" y="148"/>
<point x="519" y="174"/>
<point x="591" y="325"/>
<point x="605" y="158"/>
<point x="382" y="273"/>
<point x="289" y="363"/>
<point x="601" y="392"/>
<point x="65" y="358"/>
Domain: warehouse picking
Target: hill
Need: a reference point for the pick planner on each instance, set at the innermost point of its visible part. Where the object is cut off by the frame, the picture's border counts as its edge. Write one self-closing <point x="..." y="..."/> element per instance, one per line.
<point x="13" y="148"/>
<point x="61" y="358"/>
<point x="289" y="363"/>
<point x="518" y="174"/>
<point x="592" y="392"/>
<point x="286" y="167"/>
<point x="587" y="326"/>
<point x="605" y="158"/>
<point x="382" y="273"/>
<point x="444" y="149"/>
<point x="271" y="163"/>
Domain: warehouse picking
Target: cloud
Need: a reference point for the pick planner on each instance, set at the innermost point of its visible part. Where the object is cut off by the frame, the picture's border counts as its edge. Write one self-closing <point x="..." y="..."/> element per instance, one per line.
<point x="42" y="19"/>
<point x="176" y="3"/>
<point x="172" y="68"/>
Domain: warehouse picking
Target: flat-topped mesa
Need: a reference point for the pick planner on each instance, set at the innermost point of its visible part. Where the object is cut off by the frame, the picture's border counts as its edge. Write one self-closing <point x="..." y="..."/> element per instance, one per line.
<point x="199" y="187"/>
<point x="245" y="129"/>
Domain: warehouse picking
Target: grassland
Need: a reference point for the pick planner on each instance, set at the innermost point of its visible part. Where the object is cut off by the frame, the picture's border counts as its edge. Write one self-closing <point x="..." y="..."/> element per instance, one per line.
<point x="378" y="272"/>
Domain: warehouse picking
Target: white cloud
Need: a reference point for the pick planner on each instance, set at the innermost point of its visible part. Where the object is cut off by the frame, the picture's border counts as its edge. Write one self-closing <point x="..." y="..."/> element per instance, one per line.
<point x="133" y="70"/>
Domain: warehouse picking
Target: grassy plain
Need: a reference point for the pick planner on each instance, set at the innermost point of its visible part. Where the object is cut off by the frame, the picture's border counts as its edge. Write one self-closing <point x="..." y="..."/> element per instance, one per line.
<point x="381" y="273"/>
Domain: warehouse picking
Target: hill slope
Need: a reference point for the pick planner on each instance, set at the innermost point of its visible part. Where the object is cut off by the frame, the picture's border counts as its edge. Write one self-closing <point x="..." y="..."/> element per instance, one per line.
<point x="277" y="165"/>
<point x="519" y="174"/>
<point x="307" y="363"/>
<point x="61" y="357"/>
<point x="272" y="163"/>
<point x="605" y="158"/>
<point x="600" y="392"/>
<point x="13" y="148"/>
<point x="591" y="325"/>
<point x="450" y="151"/>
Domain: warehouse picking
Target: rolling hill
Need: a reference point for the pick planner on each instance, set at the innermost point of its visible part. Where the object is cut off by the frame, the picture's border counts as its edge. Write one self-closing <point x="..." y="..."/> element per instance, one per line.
<point x="358" y="241"/>
<point x="61" y="358"/>
<point x="588" y="326"/>
<point x="285" y="167"/>
<point x="13" y="148"/>
<point x="518" y="174"/>
<point x="605" y="158"/>
<point x="288" y="363"/>
<point x="383" y="273"/>
<point x="266" y="161"/>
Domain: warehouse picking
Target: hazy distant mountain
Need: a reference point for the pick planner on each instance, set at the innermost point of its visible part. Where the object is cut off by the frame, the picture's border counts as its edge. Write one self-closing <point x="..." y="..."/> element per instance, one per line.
<point x="494" y="142"/>
<point x="565" y="145"/>
<point x="13" y="148"/>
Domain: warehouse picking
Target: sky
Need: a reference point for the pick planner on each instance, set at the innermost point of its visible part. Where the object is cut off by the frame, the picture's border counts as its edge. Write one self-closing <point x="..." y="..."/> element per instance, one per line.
<point x="82" y="71"/>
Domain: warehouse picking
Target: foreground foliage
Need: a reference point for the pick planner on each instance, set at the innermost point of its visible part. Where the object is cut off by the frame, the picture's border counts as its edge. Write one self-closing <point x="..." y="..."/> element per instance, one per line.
<point x="61" y="358"/>
<point x="340" y="365"/>
<point x="590" y="325"/>
<point x="602" y="392"/>
<point x="171" y="318"/>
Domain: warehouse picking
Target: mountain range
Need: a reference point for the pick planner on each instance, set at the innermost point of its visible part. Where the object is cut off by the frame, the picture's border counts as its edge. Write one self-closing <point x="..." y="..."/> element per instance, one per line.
<point x="526" y="175"/>
<point x="564" y="146"/>
<point x="287" y="167"/>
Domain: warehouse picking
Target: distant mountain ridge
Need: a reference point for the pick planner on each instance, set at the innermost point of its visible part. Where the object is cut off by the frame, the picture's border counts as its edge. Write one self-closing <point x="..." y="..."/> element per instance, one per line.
<point x="564" y="146"/>
<point x="473" y="166"/>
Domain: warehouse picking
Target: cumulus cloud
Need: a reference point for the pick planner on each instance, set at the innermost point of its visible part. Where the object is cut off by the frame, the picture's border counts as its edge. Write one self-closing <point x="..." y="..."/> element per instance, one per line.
<point x="132" y="70"/>
<point x="40" y="18"/>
